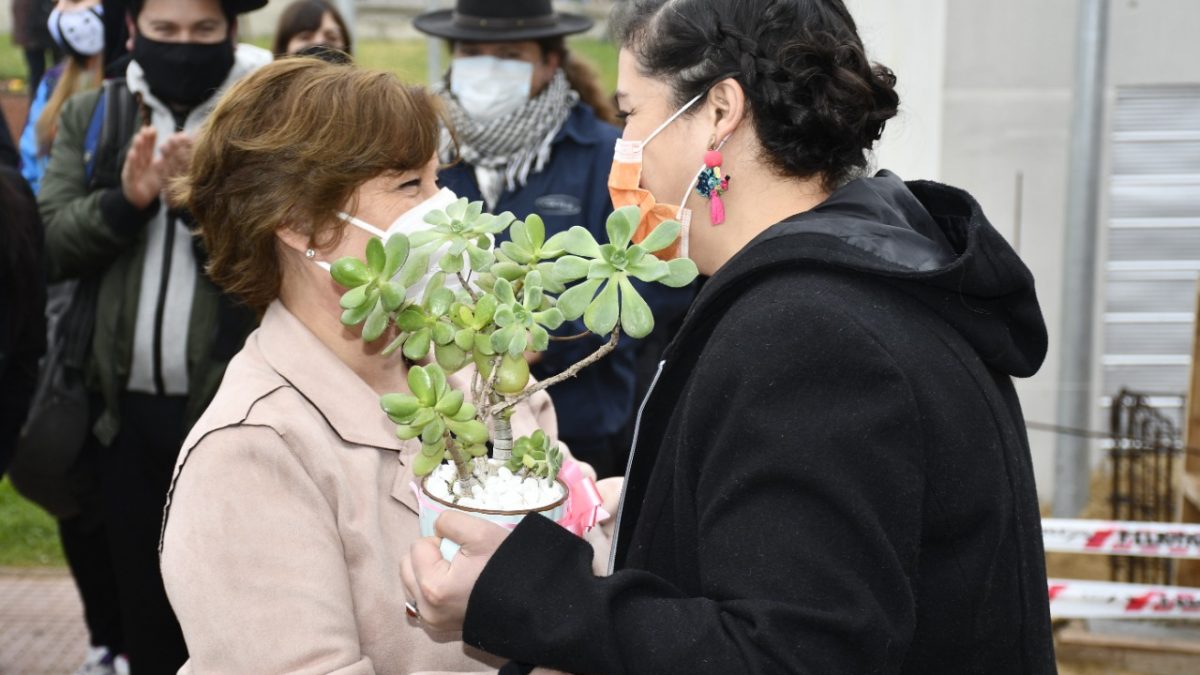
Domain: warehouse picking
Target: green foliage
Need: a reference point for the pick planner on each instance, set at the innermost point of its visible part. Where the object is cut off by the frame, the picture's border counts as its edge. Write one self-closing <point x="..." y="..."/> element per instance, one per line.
<point x="536" y="456"/>
<point x="516" y="295"/>
<point x="28" y="535"/>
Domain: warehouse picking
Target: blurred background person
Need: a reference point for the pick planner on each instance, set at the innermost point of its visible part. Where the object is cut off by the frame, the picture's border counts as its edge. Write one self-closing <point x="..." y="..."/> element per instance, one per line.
<point x="306" y="24"/>
<point x="535" y="134"/>
<point x="31" y="35"/>
<point x="163" y="332"/>
<point x="77" y="27"/>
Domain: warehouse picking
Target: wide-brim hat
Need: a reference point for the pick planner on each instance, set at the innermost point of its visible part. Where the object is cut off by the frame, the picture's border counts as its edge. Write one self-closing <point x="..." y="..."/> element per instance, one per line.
<point x="507" y="21"/>
<point x="243" y="6"/>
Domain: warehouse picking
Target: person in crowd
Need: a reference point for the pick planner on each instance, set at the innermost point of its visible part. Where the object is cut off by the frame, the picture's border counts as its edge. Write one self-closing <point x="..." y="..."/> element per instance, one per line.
<point x="309" y="24"/>
<point x="292" y="504"/>
<point x="22" y="301"/>
<point x="831" y="474"/>
<point x="532" y="127"/>
<point x="30" y="33"/>
<point x="164" y="332"/>
<point x="77" y="27"/>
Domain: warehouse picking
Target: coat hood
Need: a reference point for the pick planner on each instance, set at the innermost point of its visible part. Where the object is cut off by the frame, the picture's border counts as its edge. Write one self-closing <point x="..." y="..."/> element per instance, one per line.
<point x="929" y="240"/>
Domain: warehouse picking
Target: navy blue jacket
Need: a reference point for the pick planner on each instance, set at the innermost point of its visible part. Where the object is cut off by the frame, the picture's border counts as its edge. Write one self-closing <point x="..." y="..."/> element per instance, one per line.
<point x="573" y="190"/>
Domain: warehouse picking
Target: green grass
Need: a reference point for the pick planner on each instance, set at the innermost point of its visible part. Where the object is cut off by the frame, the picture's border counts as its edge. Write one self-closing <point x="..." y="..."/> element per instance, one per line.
<point x="407" y="58"/>
<point x="28" y="535"/>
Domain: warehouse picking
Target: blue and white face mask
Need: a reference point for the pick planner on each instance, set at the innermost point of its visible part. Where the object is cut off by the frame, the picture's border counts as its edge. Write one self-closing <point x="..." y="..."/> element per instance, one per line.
<point x="78" y="31"/>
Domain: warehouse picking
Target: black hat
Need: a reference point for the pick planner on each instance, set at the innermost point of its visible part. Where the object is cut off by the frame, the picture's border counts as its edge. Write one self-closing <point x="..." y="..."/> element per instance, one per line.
<point x="494" y="21"/>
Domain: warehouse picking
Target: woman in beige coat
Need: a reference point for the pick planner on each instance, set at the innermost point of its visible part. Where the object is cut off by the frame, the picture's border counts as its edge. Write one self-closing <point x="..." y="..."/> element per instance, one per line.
<point x="291" y="505"/>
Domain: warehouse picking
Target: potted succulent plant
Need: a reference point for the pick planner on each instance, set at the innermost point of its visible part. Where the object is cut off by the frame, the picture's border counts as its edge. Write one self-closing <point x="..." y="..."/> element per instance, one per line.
<point x="491" y="306"/>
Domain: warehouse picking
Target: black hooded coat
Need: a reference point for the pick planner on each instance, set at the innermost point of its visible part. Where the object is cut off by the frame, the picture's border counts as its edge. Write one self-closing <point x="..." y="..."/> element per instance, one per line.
<point x="830" y="475"/>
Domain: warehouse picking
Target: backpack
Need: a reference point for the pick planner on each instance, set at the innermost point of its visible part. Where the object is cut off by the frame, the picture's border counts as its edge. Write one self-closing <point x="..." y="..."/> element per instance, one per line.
<point x="60" y="415"/>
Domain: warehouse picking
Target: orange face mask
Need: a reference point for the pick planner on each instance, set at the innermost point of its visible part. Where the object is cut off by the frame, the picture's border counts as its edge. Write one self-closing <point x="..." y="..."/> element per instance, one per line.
<point x="625" y="188"/>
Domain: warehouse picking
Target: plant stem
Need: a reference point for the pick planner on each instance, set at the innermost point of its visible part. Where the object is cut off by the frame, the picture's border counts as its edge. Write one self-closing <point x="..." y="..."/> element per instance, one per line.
<point x="461" y="462"/>
<point x="563" y="376"/>
<point x="502" y="442"/>
<point x="570" y="338"/>
<point x="466" y="284"/>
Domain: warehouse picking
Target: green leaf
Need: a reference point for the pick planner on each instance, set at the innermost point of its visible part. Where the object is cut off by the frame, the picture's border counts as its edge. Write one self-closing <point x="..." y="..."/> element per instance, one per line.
<point x="423" y="417"/>
<point x="423" y="464"/>
<point x="479" y="257"/>
<point x="443" y="333"/>
<point x="440" y="301"/>
<point x="355" y="297"/>
<point x="457" y="210"/>
<point x="580" y="242"/>
<point x="438" y="377"/>
<point x="376" y="256"/>
<point x="414" y="269"/>
<point x="680" y="273"/>
<point x="602" y="315"/>
<point x="505" y="317"/>
<point x="539" y="339"/>
<point x="353" y="317"/>
<point x="502" y="338"/>
<point x="397" y="248"/>
<point x="533" y="290"/>
<point x="474" y="210"/>
<point x="437" y="218"/>
<point x="621" y="225"/>
<point x="636" y="318"/>
<point x="416" y="347"/>
<point x="376" y="324"/>
<point x="551" y="318"/>
<point x="394" y="345"/>
<point x="570" y="268"/>
<point x="424" y="238"/>
<point x="598" y="269"/>
<point x="485" y="309"/>
<point x="535" y="229"/>
<point x="508" y="271"/>
<point x="520" y="237"/>
<point x="649" y="269"/>
<point x="471" y="432"/>
<point x="438" y="280"/>
<point x="450" y="403"/>
<point x="433" y="432"/>
<point x="516" y="253"/>
<point x="421" y="385"/>
<point x="504" y="292"/>
<point x="465" y="413"/>
<point x="464" y="338"/>
<point x="457" y="247"/>
<point x="663" y="236"/>
<point x="392" y="295"/>
<point x="518" y="342"/>
<point x="350" y="272"/>
<point x="451" y="264"/>
<point x="477" y="450"/>
<point x="576" y="299"/>
<point x="451" y="357"/>
<point x="406" y="432"/>
<point x="412" y="319"/>
<point x="402" y="406"/>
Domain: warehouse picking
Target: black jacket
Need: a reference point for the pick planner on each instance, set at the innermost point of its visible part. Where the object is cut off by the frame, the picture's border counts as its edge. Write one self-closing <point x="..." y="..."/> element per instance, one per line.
<point x="831" y="474"/>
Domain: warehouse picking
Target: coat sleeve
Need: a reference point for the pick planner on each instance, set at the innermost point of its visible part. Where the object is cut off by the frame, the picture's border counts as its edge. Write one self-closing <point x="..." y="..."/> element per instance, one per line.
<point x="253" y="563"/>
<point x="85" y="230"/>
<point x="806" y="522"/>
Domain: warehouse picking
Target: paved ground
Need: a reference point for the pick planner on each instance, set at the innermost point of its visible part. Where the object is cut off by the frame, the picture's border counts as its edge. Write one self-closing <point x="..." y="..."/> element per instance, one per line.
<point x="41" y="623"/>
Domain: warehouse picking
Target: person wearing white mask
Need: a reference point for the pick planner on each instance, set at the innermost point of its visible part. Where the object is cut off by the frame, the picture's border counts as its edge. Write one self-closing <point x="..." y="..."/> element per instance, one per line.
<point x="291" y="503"/>
<point x="535" y="134"/>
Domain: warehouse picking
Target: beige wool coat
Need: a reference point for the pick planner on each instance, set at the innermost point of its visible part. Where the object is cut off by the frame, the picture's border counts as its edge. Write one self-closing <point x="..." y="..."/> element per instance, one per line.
<point x="288" y="515"/>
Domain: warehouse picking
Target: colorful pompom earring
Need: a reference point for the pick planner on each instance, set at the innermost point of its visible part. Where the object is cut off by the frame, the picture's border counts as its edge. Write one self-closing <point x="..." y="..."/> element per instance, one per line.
<point x="712" y="185"/>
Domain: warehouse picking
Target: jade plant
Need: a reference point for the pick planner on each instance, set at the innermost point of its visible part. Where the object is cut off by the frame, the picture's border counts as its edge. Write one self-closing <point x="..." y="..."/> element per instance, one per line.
<point x="503" y="304"/>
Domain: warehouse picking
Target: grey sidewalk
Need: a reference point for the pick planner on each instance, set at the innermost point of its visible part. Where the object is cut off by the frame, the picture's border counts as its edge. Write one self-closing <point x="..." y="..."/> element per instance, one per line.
<point x="41" y="623"/>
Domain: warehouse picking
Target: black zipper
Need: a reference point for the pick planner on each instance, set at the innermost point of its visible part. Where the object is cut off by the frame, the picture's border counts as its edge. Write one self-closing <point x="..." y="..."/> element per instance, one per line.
<point x="163" y="285"/>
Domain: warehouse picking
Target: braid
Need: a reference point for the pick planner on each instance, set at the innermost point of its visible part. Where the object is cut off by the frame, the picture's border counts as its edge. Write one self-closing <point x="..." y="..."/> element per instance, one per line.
<point x="817" y="102"/>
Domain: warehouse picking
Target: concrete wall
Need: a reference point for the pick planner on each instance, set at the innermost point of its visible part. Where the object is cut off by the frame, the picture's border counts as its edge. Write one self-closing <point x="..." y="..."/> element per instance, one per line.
<point x="987" y="99"/>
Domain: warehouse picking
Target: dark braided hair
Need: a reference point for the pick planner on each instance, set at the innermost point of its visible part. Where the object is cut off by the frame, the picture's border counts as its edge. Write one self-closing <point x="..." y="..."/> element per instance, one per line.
<point x="818" y="105"/>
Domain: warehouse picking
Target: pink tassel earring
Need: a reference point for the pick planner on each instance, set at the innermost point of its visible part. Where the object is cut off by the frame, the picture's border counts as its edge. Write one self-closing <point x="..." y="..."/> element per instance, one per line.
<point x="712" y="185"/>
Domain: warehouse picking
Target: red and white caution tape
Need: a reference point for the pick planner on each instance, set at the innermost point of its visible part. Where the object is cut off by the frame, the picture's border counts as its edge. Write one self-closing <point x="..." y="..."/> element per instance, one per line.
<point x="1104" y="600"/>
<point x="1156" y="540"/>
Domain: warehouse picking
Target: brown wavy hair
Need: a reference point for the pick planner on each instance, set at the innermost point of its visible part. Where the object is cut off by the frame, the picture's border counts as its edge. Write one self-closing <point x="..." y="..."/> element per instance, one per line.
<point x="288" y="146"/>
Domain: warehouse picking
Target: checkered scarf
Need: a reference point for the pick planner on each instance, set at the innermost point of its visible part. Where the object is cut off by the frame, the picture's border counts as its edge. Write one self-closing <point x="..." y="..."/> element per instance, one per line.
<point x="506" y="151"/>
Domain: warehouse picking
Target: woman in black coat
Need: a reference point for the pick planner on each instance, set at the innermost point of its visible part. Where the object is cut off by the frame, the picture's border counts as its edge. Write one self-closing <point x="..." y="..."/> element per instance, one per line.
<point x="831" y="473"/>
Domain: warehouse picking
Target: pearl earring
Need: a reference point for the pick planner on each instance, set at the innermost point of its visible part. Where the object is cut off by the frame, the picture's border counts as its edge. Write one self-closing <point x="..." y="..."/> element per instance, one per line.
<point x="310" y="254"/>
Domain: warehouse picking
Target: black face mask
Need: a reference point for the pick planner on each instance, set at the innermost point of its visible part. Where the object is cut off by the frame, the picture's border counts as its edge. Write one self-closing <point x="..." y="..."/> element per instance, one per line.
<point x="183" y="73"/>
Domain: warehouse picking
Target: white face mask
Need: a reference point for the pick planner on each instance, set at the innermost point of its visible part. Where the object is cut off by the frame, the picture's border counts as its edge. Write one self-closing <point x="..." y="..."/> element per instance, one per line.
<point x="79" y="31"/>
<point x="412" y="220"/>
<point x="489" y="88"/>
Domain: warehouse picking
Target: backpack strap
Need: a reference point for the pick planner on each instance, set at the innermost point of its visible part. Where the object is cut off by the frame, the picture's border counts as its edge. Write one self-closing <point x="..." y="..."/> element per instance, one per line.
<point x="91" y="142"/>
<point x="116" y="121"/>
